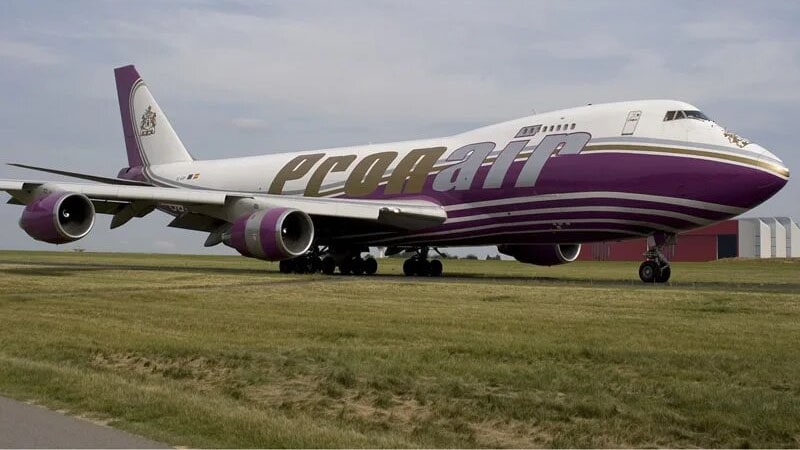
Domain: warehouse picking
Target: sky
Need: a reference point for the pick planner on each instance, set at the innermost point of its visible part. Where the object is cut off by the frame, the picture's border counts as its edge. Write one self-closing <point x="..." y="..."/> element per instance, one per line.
<point x="248" y="78"/>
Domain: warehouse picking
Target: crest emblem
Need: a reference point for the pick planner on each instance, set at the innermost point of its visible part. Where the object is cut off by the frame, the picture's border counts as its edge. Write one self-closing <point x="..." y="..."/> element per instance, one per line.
<point x="148" y="123"/>
<point x="735" y="139"/>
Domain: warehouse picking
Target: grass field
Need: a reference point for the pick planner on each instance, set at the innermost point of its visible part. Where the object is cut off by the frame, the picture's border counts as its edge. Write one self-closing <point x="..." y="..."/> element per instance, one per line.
<point x="225" y="351"/>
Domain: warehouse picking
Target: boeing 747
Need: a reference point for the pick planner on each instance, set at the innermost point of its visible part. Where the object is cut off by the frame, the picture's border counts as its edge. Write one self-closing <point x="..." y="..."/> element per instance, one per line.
<point x="536" y="187"/>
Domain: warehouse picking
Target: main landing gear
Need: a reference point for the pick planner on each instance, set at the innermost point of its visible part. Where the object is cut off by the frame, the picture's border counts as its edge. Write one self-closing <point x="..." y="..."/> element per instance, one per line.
<point x="419" y="264"/>
<point x="326" y="262"/>
<point x="655" y="268"/>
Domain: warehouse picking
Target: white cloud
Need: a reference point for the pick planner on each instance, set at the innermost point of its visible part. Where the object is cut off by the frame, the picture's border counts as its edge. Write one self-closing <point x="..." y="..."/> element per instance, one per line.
<point x="322" y="72"/>
<point x="28" y="53"/>
<point x="249" y="123"/>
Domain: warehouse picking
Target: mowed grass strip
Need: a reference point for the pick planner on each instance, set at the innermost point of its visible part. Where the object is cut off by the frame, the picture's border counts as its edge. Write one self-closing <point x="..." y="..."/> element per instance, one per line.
<point x="222" y="351"/>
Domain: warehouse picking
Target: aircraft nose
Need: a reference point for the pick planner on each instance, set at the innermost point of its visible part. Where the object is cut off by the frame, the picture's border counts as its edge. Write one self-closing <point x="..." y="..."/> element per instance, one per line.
<point x="770" y="161"/>
<point x="766" y="188"/>
<point x="766" y="156"/>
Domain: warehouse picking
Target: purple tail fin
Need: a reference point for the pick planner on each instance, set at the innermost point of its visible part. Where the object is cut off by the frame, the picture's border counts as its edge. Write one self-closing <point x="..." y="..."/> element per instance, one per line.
<point x="149" y="137"/>
<point x="126" y="78"/>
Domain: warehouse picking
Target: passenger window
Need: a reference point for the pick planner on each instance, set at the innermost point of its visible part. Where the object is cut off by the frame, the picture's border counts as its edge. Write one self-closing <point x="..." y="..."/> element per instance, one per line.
<point x="670" y="115"/>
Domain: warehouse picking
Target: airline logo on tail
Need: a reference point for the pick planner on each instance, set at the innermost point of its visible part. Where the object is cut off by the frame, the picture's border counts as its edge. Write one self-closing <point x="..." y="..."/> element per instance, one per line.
<point x="148" y="124"/>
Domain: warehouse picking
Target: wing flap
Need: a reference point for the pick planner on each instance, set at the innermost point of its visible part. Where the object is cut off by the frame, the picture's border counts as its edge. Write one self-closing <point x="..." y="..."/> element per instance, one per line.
<point x="196" y="222"/>
<point x="406" y="214"/>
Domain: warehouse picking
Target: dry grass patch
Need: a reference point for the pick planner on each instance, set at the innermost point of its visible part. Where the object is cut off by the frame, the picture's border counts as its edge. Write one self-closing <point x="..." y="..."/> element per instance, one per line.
<point x="226" y="352"/>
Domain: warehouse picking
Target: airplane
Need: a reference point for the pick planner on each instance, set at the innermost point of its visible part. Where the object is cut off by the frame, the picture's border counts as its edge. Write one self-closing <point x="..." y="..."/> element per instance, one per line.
<point x="536" y="187"/>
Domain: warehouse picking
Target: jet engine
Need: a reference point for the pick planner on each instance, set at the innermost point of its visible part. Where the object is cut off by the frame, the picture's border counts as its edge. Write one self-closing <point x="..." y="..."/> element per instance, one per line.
<point x="58" y="218"/>
<point x="542" y="254"/>
<point x="272" y="234"/>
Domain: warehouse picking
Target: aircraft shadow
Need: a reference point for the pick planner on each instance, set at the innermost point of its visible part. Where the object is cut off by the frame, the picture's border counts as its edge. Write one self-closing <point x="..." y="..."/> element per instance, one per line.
<point x="70" y="269"/>
<point x="593" y="282"/>
<point x="65" y="269"/>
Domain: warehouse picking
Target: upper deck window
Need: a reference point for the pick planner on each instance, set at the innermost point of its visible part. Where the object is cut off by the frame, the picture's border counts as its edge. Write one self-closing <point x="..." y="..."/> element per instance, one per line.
<point x="675" y="115"/>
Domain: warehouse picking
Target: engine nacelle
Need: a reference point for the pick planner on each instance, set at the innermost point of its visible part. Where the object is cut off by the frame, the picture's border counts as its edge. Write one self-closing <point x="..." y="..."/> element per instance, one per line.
<point x="542" y="254"/>
<point x="58" y="218"/>
<point x="272" y="234"/>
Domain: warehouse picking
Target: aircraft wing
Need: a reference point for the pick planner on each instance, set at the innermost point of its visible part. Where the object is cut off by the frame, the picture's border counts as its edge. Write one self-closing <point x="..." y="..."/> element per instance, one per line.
<point x="405" y="214"/>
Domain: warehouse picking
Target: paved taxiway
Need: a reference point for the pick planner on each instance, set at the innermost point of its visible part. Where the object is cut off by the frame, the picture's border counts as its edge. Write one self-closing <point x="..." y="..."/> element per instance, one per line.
<point x="28" y="426"/>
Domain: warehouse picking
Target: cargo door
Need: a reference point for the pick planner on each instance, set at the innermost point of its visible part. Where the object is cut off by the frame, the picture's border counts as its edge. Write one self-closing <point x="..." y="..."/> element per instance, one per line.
<point x="630" y="123"/>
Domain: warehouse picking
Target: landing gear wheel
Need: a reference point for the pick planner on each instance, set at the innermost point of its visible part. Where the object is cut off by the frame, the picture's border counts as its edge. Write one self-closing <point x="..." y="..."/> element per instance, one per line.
<point x="370" y="266"/>
<point x="316" y="264"/>
<point x="358" y="266"/>
<point x="436" y="268"/>
<point x="286" y="266"/>
<point x="663" y="275"/>
<point x="410" y="267"/>
<point x="303" y="265"/>
<point x="423" y="267"/>
<point x="346" y="267"/>
<point x="648" y="271"/>
<point x="328" y="265"/>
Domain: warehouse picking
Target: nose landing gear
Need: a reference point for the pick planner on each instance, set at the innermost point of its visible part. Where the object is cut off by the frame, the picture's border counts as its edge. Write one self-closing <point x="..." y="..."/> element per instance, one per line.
<point x="655" y="268"/>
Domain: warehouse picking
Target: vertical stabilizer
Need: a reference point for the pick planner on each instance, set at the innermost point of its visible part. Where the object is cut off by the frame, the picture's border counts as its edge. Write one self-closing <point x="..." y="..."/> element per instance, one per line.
<point x="149" y="137"/>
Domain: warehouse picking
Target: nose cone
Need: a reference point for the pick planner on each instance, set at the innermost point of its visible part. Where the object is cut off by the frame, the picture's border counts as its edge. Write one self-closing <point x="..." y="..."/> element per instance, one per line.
<point x="767" y="157"/>
<point x="744" y="181"/>
<point x="766" y="188"/>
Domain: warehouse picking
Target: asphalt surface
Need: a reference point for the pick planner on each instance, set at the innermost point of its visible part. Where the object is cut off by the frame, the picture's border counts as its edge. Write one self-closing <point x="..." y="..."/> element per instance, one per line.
<point x="29" y="426"/>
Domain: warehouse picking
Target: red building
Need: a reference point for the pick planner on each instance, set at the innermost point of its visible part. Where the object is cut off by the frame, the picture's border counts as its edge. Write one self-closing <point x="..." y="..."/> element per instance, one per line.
<point x="713" y="242"/>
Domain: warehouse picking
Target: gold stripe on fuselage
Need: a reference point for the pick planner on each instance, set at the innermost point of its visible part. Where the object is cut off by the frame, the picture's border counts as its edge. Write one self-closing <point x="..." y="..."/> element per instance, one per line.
<point x="774" y="168"/>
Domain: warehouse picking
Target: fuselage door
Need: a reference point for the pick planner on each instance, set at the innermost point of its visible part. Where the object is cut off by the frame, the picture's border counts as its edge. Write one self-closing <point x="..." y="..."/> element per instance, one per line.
<point x="631" y="122"/>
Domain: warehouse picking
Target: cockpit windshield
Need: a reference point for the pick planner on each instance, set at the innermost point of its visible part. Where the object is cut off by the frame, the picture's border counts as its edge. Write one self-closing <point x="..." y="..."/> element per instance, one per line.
<point x="675" y="115"/>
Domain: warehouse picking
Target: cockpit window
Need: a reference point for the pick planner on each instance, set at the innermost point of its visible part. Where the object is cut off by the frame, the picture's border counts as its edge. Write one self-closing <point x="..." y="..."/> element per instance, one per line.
<point x="696" y="115"/>
<point x="675" y="115"/>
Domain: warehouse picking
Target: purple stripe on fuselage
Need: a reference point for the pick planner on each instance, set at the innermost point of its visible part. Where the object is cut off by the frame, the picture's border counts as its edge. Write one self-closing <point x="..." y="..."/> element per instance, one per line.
<point x="594" y="234"/>
<point x="522" y="226"/>
<point x="667" y="176"/>
<point x="716" y="182"/>
<point x="566" y="216"/>
<point x="602" y="202"/>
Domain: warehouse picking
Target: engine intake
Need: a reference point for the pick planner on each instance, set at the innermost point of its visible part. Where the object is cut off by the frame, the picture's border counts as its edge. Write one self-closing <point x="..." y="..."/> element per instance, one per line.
<point x="58" y="218"/>
<point x="272" y="234"/>
<point x="542" y="255"/>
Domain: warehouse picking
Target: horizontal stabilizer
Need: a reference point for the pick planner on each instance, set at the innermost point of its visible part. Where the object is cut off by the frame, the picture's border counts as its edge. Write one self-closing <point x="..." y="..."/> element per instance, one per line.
<point x="83" y="176"/>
